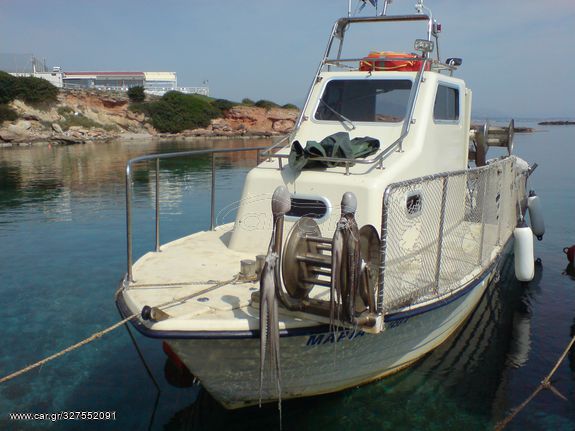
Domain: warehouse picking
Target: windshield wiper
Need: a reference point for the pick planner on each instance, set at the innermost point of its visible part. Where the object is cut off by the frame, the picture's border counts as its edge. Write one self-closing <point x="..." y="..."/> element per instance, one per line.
<point x="341" y="116"/>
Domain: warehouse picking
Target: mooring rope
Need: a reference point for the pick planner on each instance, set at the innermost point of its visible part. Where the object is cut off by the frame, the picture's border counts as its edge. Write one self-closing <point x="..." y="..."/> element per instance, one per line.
<point x="99" y="334"/>
<point x="545" y="384"/>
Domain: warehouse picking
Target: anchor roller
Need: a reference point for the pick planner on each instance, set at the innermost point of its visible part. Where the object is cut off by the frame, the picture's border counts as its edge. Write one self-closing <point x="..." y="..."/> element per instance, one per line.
<point x="491" y="136"/>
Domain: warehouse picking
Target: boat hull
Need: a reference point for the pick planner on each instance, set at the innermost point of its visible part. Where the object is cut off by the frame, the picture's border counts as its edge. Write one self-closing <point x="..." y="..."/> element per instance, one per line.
<point x="315" y="363"/>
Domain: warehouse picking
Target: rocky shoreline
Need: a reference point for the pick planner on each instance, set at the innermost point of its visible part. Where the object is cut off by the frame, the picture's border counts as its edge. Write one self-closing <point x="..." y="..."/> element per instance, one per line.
<point x="82" y="116"/>
<point x="557" y="123"/>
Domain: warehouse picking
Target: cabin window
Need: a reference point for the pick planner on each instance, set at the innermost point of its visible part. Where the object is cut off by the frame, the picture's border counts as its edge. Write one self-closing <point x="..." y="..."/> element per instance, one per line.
<point x="446" y="106"/>
<point x="369" y="100"/>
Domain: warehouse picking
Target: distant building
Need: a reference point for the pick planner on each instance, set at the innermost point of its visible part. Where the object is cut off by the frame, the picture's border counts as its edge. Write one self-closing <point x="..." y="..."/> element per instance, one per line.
<point x="157" y="83"/>
<point x="120" y="81"/>
<point x="16" y="65"/>
<point x="54" y="77"/>
<point x="160" y="82"/>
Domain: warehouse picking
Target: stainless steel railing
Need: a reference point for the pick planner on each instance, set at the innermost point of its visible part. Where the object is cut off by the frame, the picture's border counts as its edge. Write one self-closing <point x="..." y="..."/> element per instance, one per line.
<point x="459" y="226"/>
<point x="157" y="158"/>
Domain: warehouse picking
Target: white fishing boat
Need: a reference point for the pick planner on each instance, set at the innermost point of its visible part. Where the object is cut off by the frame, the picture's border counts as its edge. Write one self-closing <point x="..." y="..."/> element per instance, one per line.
<point x="362" y="240"/>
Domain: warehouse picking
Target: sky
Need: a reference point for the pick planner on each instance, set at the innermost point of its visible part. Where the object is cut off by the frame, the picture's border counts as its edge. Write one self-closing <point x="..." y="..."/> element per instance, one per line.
<point x="518" y="55"/>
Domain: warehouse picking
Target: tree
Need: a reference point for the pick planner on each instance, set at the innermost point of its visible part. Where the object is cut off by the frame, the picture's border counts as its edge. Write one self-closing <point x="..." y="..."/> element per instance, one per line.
<point x="136" y="94"/>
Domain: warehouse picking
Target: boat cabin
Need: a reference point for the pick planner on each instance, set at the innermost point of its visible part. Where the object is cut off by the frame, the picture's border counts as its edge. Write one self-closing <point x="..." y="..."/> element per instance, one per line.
<point x="412" y="105"/>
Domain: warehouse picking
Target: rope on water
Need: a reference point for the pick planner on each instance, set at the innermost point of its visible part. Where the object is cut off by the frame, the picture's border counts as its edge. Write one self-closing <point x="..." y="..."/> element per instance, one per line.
<point x="99" y="334"/>
<point x="67" y="350"/>
<point x="545" y="384"/>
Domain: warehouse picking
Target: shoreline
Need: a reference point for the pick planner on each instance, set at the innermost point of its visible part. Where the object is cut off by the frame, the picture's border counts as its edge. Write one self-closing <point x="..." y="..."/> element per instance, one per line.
<point x="135" y="137"/>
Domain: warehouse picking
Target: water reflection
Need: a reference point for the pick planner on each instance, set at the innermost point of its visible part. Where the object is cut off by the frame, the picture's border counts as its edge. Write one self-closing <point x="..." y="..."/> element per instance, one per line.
<point x="52" y="176"/>
<point x="17" y="188"/>
<point x="521" y="336"/>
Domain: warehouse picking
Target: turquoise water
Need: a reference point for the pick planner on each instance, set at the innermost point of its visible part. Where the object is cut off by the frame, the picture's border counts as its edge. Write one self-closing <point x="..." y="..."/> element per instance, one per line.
<point x="62" y="253"/>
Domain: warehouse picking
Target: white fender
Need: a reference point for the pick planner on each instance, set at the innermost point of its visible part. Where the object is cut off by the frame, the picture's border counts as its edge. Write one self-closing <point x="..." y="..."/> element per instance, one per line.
<point x="536" y="215"/>
<point x="524" y="256"/>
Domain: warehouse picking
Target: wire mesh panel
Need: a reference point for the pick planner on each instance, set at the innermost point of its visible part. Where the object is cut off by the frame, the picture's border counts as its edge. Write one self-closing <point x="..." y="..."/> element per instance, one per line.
<point x="441" y="231"/>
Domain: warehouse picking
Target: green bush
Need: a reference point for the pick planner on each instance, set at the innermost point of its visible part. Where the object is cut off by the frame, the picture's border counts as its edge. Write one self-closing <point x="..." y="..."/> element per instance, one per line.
<point x="34" y="91"/>
<point x="176" y="112"/>
<point x="266" y="104"/>
<point x="248" y="102"/>
<point x="290" y="106"/>
<point x="136" y="94"/>
<point x="139" y="107"/>
<point x="223" y="104"/>
<point x="7" y="87"/>
<point x="7" y="114"/>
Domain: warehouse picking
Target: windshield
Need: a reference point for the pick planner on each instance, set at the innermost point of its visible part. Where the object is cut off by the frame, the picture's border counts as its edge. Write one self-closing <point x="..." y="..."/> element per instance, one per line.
<point x="373" y="100"/>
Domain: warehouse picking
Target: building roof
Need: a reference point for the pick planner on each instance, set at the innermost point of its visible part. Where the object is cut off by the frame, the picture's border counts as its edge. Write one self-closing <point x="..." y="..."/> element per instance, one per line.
<point x="140" y="74"/>
<point x="160" y="76"/>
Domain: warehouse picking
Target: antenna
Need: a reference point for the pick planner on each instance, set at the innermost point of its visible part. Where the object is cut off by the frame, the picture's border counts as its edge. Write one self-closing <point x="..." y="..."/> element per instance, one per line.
<point x="360" y="5"/>
<point x="385" y="4"/>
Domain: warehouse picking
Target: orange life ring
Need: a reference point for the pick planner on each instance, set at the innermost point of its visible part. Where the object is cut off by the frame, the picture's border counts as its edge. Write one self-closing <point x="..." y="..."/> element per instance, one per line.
<point x="403" y="65"/>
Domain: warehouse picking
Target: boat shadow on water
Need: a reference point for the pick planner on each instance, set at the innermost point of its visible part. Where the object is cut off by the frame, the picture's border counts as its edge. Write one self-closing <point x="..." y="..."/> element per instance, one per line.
<point x="460" y="384"/>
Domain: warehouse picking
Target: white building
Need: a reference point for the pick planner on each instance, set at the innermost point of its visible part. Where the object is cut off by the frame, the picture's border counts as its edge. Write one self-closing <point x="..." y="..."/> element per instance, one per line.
<point x="54" y="77"/>
<point x="157" y="83"/>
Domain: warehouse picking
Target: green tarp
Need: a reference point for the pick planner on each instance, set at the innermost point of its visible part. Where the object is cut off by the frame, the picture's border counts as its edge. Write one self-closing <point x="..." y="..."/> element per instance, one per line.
<point x="337" y="145"/>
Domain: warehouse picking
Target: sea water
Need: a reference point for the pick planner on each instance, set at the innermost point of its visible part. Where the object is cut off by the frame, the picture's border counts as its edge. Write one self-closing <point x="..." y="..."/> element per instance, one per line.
<point x="63" y="252"/>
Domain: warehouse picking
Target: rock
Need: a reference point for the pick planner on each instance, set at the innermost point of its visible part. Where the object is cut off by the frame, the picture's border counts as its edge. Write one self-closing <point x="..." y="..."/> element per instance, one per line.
<point x="67" y="140"/>
<point x="199" y="132"/>
<point x="23" y="125"/>
<point x="276" y="114"/>
<point x="9" y="136"/>
<point x="27" y="112"/>
<point x="135" y="116"/>
<point x="219" y="124"/>
<point x="56" y="127"/>
<point x="255" y="120"/>
<point x="283" y="126"/>
<point x="150" y="129"/>
<point x="26" y="136"/>
<point x="113" y="103"/>
<point x="19" y="132"/>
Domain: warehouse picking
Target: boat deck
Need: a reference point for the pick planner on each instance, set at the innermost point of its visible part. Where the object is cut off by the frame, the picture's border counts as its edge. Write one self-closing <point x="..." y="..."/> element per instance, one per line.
<point x="192" y="266"/>
<point x="201" y="270"/>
